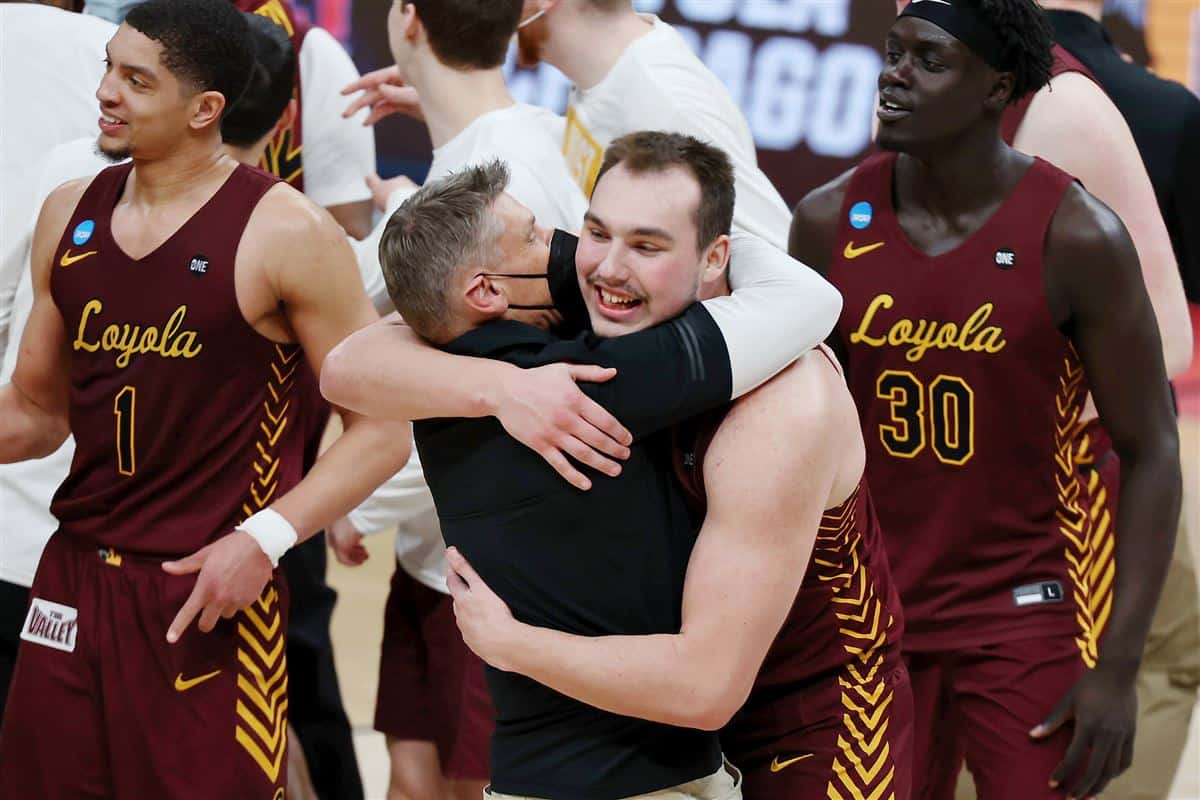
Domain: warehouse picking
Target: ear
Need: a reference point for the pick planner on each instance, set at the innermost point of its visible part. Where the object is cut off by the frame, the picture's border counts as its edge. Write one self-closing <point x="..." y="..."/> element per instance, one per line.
<point x="287" y="118"/>
<point x="1001" y="92"/>
<point x="413" y="29"/>
<point x="716" y="259"/>
<point x="206" y="110"/>
<point x="484" y="299"/>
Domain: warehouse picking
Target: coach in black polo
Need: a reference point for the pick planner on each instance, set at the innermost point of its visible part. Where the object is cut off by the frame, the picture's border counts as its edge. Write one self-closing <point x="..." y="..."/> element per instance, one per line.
<point x="605" y="561"/>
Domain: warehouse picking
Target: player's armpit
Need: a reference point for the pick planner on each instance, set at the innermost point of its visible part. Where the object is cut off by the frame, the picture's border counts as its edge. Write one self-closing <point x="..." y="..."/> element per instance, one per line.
<point x="1094" y="285"/>
<point x="1075" y="126"/>
<point x="34" y="405"/>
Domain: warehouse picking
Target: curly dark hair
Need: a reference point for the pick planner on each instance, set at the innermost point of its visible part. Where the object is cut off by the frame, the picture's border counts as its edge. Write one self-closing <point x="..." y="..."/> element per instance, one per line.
<point x="1028" y="39"/>
<point x="205" y="43"/>
<point x="272" y="82"/>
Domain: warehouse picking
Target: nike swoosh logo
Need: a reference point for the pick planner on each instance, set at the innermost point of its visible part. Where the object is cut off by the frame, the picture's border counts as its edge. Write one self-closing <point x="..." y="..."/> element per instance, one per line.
<point x="182" y="686"/>
<point x="851" y="252"/>
<point x="68" y="259"/>
<point x="780" y="766"/>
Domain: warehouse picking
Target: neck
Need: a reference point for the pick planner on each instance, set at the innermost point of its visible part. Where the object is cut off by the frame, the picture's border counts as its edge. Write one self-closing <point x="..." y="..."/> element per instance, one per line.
<point x="587" y="46"/>
<point x="250" y="156"/>
<point x="452" y="99"/>
<point x="1090" y="8"/>
<point x="190" y="166"/>
<point x="954" y="178"/>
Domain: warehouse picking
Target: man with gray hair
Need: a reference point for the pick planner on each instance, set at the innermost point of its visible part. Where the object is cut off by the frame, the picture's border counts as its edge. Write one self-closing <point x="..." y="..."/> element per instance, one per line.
<point x="467" y="265"/>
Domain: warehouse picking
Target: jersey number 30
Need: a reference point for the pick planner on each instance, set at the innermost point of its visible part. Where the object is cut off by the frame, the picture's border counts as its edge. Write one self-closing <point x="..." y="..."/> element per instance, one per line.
<point x="942" y="414"/>
<point x="123" y="408"/>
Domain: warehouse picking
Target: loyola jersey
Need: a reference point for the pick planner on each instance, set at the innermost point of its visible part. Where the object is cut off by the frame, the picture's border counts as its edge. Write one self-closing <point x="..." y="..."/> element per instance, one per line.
<point x="184" y="416"/>
<point x="970" y="398"/>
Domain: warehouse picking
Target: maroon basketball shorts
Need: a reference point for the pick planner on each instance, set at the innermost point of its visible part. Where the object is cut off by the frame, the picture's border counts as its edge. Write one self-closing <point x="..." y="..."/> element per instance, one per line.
<point x="978" y="704"/>
<point x="102" y="707"/>
<point x="431" y="686"/>
<point x="849" y="736"/>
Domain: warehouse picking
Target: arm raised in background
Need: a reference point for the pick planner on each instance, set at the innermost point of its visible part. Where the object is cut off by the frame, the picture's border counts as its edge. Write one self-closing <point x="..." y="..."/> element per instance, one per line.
<point x="1074" y="125"/>
<point x="742" y="579"/>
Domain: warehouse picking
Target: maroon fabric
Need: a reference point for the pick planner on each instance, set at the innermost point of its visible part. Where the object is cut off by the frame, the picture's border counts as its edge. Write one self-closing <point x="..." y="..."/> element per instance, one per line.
<point x="1014" y="115"/>
<point x="284" y="157"/>
<point x="184" y="416"/>
<point x="969" y="439"/>
<point x="431" y="686"/>
<point x="979" y="705"/>
<point x="819" y="757"/>
<point x="128" y="715"/>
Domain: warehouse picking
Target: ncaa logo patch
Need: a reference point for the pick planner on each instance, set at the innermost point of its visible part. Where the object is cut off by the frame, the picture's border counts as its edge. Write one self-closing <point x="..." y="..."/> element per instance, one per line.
<point x="1006" y="258"/>
<point x="198" y="265"/>
<point x="861" y="214"/>
<point x="83" y="232"/>
<point x="51" y="624"/>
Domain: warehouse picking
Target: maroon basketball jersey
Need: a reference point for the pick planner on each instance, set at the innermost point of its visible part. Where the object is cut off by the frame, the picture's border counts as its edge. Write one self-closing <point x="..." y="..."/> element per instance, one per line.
<point x="184" y="416"/>
<point x="846" y="611"/>
<point x="284" y="155"/>
<point x="1014" y="115"/>
<point x="969" y="397"/>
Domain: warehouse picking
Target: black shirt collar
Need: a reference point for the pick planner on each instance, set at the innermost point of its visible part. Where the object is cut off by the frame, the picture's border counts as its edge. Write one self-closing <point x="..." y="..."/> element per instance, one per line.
<point x="1076" y="28"/>
<point x="497" y="336"/>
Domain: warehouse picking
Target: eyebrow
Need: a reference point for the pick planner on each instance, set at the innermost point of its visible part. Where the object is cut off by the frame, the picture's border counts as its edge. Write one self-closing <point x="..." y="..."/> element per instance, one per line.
<point x="145" y="71"/>
<point x="652" y="232"/>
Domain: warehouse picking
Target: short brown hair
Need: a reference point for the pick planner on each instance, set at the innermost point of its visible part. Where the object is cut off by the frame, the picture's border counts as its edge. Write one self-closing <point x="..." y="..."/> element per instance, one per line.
<point x="446" y="225"/>
<point x="469" y="34"/>
<point x="657" y="151"/>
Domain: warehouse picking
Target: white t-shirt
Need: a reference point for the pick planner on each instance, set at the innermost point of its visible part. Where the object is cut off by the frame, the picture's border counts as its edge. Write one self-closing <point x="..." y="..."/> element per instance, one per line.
<point x="538" y="178"/>
<point x="27" y="487"/>
<point x="51" y="62"/>
<point x="658" y="83"/>
<point x="338" y="153"/>
<point x="520" y="136"/>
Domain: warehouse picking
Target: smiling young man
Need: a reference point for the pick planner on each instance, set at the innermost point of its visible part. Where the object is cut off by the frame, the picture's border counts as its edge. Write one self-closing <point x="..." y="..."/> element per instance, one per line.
<point x="986" y="292"/>
<point x="173" y="299"/>
<point x="790" y="626"/>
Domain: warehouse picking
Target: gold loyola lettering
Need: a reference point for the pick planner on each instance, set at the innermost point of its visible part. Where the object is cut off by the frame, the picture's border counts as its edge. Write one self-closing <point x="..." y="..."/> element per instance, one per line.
<point x="921" y="335"/>
<point x="128" y="340"/>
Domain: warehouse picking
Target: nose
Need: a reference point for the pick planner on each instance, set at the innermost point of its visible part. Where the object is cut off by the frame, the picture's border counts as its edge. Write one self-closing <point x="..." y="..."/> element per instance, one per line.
<point x="106" y="91"/>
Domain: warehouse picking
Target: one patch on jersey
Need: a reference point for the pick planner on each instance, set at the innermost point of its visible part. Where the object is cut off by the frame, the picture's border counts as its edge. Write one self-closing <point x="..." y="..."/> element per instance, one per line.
<point x="51" y="624"/>
<point x="83" y="232"/>
<point x="1006" y="258"/>
<point x="1037" y="593"/>
<point x="861" y="214"/>
<point x="199" y="264"/>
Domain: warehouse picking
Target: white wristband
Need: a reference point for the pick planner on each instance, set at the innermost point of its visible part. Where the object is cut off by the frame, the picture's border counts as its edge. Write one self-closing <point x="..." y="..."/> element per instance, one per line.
<point x="274" y="534"/>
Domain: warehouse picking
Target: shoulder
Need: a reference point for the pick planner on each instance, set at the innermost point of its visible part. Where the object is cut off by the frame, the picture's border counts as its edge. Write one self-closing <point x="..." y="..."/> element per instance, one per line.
<point x="1086" y="236"/>
<point x="286" y="225"/>
<point x="815" y="222"/>
<point x="806" y="404"/>
<point x="61" y="200"/>
<point x="1070" y="102"/>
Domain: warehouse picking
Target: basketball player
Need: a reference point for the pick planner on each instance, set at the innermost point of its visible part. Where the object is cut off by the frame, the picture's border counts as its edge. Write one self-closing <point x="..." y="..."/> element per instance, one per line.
<point x="631" y="72"/>
<point x="991" y="283"/>
<point x="829" y="711"/>
<point x="174" y="371"/>
<point x="432" y="704"/>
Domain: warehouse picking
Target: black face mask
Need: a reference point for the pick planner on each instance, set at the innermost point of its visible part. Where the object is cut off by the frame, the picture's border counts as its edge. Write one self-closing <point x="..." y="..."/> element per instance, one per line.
<point x="562" y="257"/>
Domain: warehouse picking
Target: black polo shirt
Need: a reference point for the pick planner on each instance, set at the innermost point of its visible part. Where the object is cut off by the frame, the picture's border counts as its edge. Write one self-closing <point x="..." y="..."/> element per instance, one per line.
<point x="610" y="560"/>
<point x="1164" y="117"/>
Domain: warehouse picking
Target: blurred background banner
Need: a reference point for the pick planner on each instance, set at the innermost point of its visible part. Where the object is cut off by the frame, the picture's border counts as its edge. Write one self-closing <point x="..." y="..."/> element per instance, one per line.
<point x="803" y="71"/>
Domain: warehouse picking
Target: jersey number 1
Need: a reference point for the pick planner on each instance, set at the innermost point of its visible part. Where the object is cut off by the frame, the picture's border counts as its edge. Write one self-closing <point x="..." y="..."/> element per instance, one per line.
<point x="123" y="408"/>
<point x="950" y="414"/>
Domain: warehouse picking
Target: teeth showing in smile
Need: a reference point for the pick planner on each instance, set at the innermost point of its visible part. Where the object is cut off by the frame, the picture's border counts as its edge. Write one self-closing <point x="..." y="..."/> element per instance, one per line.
<point x="614" y="300"/>
<point x="110" y="120"/>
<point x="890" y="106"/>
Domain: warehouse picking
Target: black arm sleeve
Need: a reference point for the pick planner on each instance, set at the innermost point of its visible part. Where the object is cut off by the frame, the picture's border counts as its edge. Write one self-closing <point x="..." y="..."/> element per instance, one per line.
<point x="564" y="285"/>
<point x="665" y="374"/>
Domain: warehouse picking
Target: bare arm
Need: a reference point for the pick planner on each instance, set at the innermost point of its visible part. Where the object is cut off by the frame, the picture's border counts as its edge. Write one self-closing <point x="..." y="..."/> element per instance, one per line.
<point x="744" y="572"/>
<point x="1075" y="126"/>
<point x="34" y="405"/>
<point x="1094" y="285"/>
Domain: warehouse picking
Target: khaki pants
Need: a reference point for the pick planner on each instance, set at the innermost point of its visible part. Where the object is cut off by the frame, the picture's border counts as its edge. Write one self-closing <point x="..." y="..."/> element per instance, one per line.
<point x="1167" y="685"/>
<point x="724" y="784"/>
